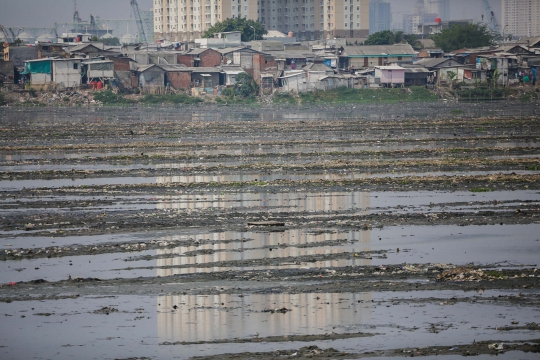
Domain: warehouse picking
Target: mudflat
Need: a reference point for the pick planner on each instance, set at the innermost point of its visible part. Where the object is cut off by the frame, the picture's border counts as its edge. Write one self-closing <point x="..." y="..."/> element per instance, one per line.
<point x="213" y="232"/>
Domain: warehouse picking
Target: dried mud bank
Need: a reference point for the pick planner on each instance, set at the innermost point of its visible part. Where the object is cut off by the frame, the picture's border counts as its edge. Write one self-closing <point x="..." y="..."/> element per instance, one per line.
<point x="396" y="231"/>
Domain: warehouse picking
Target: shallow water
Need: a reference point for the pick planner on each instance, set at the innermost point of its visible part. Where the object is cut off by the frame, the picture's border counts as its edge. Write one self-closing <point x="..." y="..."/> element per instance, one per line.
<point x="72" y="328"/>
<point x="449" y="245"/>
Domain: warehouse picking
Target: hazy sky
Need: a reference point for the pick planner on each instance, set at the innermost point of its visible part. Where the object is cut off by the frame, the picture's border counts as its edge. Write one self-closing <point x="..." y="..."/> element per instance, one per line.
<point x="44" y="13"/>
<point x="459" y="9"/>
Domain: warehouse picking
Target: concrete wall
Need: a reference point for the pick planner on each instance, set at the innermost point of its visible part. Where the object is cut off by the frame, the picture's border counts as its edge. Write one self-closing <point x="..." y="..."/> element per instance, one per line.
<point x="66" y="74"/>
<point x="390" y="76"/>
<point x="152" y="77"/>
<point x="124" y="79"/>
<point x="40" y="80"/>
<point x="295" y="83"/>
<point x="20" y="54"/>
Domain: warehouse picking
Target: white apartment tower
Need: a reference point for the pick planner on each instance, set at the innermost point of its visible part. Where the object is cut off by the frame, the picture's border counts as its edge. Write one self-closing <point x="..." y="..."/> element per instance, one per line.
<point x="185" y="20"/>
<point x="521" y="17"/>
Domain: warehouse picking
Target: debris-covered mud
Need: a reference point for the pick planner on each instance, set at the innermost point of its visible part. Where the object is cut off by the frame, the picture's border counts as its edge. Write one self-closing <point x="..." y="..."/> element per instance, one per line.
<point x="337" y="233"/>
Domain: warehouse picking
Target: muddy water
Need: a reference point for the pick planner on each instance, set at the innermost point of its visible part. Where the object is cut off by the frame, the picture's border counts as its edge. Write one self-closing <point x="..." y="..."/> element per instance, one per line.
<point x="181" y="263"/>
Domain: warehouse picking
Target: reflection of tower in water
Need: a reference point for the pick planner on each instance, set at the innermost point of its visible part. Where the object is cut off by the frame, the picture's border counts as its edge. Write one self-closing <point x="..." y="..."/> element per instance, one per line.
<point x="200" y="318"/>
<point x="226" y="316"/>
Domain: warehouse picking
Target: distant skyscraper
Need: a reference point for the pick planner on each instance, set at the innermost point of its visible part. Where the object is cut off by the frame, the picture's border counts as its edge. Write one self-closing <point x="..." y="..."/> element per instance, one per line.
<point x="443" y="9"/>
<point x="380" y="16"/>
<point x="521" y="17"/>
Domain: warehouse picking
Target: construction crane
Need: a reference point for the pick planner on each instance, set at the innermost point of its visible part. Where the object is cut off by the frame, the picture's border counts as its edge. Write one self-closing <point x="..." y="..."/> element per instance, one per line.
<point x="6" y="36"/>
<point x="138" y="20"/>
<point x="493" y="24"/>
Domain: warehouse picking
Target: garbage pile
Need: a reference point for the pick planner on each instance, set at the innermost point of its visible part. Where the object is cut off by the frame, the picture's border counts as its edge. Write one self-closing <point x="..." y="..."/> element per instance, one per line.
<point x="462" y="274"/>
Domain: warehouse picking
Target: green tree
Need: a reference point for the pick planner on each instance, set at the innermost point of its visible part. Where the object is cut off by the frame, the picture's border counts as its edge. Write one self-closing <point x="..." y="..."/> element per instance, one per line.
<point x="465" y="36"/>
<point x="388" y="37"/>
<point x="238" y="24"/>
<point x="94" y="38"/>
<point x="245" y="85"/>
<point x="114" y="41"/>
<point x="451" y="76"/>
<point x="412" y="40"/>
<point x="385" y="37"/>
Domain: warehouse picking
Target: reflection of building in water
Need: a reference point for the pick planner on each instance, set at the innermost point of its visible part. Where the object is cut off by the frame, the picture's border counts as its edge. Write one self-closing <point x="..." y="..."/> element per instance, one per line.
<point x="200" y="318"/>
<point x="204" y="318"/>
<point x="228" y="246"/>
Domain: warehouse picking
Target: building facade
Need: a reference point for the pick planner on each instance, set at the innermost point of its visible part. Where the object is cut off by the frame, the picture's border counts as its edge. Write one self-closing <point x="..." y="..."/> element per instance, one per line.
<point x="186" y="20"/>
<point x="380" y="16"/>
<point x="521" y="17"/>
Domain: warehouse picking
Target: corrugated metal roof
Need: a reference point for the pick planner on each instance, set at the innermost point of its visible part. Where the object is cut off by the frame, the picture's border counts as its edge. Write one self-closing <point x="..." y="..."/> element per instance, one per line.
<point x="232" y="70"/>
<point x="401" y="49"/>
<point x="204" y="69"/>
<point x="196" y="51"/>
<point x="146" y="67"/>
<point x="317" y="67"/>
<point x="233" y="49"/>
<point x="417" y="70"/>
<point x="431" y="62"/>
<point x="173" y="67"/>
<point x="389" y="67"/>
<point x="97" y="61"/>
<point x="84" y="45"/>
<point x="292" y="54"/>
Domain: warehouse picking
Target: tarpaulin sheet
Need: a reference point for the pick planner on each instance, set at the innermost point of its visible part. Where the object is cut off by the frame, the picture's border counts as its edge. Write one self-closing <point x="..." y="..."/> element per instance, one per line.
<point x="38" y="67"/>
<point x="102" y="66"/>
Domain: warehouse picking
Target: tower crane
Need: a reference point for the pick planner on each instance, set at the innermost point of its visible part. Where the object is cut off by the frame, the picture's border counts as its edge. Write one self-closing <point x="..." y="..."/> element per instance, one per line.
<point x="138" y="20"/>
<point x="493" y="24"/>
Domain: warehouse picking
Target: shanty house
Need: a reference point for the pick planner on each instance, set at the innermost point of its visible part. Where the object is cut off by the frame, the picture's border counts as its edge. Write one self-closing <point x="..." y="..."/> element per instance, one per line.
<point x="239" y="56"/>
<point x="228" y="75"/>
<point x="89" y="50"/>
<point x="391" y="75"/>
<point x="294" y="81"/>
<point x="358" y="57"/>
<point x="471" y="75"/>
<point x="151" y="79"/>
<point x="98" y="70"/>
<point x="418" y="76"/>
<point x="53" y="73"/>
<point x="178" y="76"/>
<point x="200" y="58"/>
<point x="205" y="78"/>
<point x="435" y="63"/>
<point x="317" y="70"/>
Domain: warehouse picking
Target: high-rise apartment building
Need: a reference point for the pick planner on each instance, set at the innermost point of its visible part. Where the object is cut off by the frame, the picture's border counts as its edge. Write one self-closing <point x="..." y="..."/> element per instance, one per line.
<point x="185" y="20"/>
<point x="521" y="17"/>
<point x="380" y="16"/>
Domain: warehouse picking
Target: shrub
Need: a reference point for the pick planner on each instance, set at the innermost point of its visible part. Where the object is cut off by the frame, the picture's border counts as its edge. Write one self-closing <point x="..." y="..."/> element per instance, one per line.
<point x="173" y="99"/>
<point x="107" y="97"/>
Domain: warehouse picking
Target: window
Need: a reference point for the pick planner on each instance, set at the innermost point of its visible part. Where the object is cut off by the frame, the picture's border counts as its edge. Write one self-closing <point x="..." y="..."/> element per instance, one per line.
<point x="75" y="66"/>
